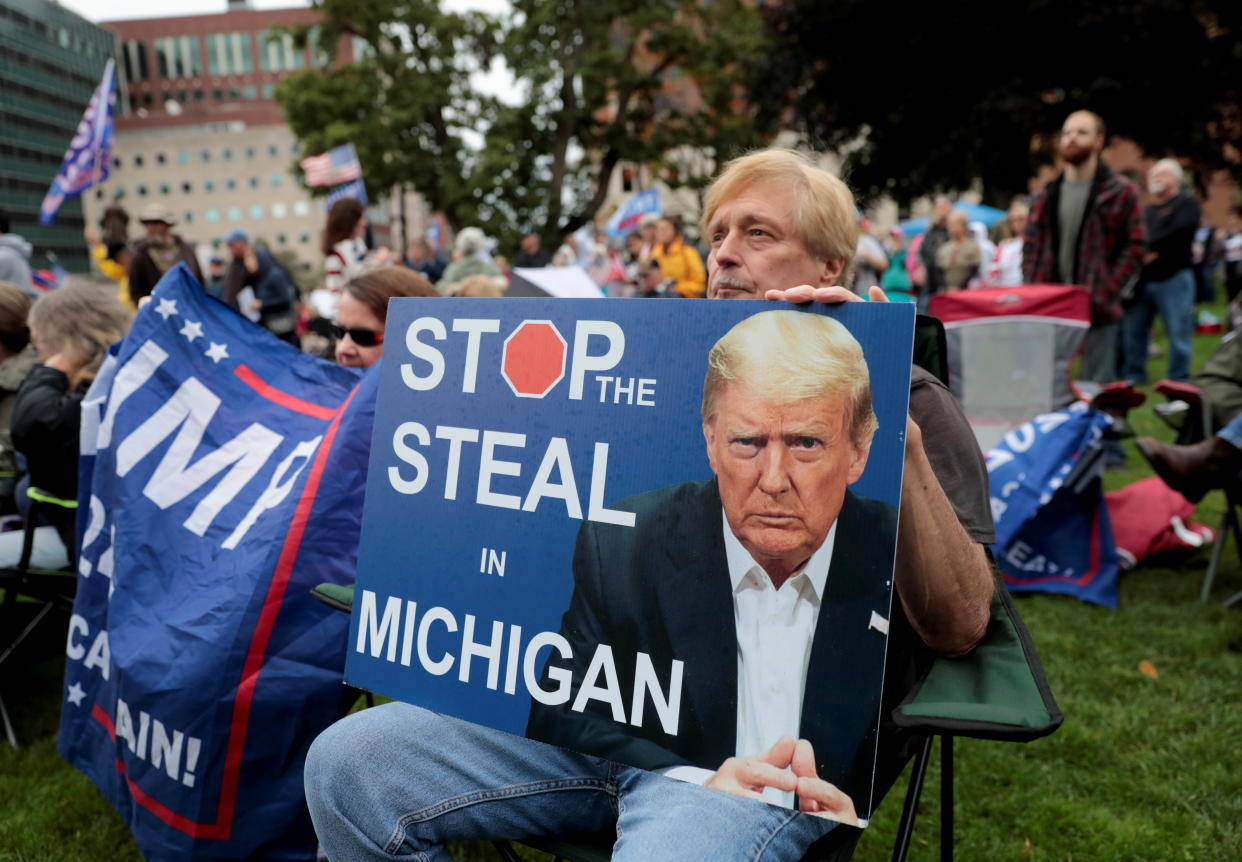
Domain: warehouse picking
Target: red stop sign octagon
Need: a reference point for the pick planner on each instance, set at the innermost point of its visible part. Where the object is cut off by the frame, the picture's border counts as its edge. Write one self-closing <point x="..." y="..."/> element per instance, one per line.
<point x="534" y="359"/>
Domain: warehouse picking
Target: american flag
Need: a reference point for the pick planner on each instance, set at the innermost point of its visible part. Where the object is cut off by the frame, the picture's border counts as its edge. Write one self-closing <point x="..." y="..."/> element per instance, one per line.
<point x="338" y="165"/>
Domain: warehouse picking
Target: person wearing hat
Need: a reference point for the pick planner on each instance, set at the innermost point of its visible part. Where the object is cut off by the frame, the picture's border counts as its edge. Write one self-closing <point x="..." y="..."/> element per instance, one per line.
<point x="271" y="289"/>
<point x="157" y="252"/>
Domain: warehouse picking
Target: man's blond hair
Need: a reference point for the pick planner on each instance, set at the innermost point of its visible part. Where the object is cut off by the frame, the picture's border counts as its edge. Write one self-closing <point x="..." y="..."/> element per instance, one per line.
<point x="786" y="356"/>
<point x="823" y="209"/>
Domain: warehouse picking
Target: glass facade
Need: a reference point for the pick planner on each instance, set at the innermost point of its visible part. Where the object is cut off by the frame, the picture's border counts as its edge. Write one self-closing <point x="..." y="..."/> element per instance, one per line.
<point x="229" y="53"/>
<point x="50" y="62"/>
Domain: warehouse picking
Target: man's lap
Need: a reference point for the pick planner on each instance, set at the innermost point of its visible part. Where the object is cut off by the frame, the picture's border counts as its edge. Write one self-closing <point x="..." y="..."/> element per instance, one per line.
<point x="401" y="781"/>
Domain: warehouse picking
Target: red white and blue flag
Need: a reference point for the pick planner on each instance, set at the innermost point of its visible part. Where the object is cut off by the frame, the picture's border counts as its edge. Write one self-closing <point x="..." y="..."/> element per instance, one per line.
<point x="220" y="480"/>
<point x="337" y="166"/>
<point x="630" y="215"/>
<point x="88" y="160"/>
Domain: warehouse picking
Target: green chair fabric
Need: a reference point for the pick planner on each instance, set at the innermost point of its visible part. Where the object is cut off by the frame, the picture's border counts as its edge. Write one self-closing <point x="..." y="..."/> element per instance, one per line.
<point x="998" y="691"/>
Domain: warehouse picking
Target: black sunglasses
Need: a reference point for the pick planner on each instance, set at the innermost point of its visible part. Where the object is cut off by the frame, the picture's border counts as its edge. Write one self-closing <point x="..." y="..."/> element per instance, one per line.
<point x="361" y="337"/>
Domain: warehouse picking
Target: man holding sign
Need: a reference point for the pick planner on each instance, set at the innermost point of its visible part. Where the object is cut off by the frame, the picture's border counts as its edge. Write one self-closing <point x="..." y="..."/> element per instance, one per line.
<point x="400" y="780"/>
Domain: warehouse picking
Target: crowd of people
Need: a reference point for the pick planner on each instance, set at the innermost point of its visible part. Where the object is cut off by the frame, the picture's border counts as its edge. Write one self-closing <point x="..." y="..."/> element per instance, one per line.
<point x="1089" y="226"/>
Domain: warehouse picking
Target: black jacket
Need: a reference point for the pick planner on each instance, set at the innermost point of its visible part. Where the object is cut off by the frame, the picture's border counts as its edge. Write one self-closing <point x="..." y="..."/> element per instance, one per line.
<point x="45" y="423"/>
<point x="662" y="587"/>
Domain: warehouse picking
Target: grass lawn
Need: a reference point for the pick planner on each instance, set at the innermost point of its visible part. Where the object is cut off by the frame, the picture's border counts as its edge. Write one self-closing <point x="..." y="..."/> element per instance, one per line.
<point x="1143" y="768"/>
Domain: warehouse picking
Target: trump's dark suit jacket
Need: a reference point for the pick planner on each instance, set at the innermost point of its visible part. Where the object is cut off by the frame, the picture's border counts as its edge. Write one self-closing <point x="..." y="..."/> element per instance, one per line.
<point x="662" y="587"/>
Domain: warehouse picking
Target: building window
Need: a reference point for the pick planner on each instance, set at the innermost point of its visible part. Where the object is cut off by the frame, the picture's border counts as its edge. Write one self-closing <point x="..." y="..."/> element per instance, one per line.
<point x="178" y="57"/>
<point x="230" y="184"/>
<point x="277" y="52"/>
<point x="301" y="208"/>
<point x="205" y="155"/>
<point x="250" y="152"/>
<point x="189" y="217"/>
<point x="304" y="238"/>
<point x="98" y="194"/>
<point x="209" y="185"/>
<point x="159" y="158"/>
<point x="235" y="213"/>
<point x="187" y="187"/>
<point x="276" y="180"/>
<point x="147" y="101"/>
<point x="164" y="188"/>
<point x="279" y="210"/>
<point x="256" y="211"/>
<point x="281" y="239"/>
<point x="142" y="191"/>
<point x="226" y="154"/>
<point x="183" y="157"/>
<point x="293" y="148"/>
<point x="254" y="182"/>
<point x="269" y="91"/>
<point x="273" y="150"/>
<point x="134" y="59"/>
<point x="212" y="214"/>
<point x="198" y="95"/>
<point x="249" y="92"/>
<point x="116" y="162"/>
<point x="218" y="95"/>
<point x="137" y="161"/>
<point x="229" y="54"/>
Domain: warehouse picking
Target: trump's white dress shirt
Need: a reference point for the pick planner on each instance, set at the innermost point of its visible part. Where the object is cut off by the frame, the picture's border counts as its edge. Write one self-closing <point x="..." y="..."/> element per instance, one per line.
<point x="775" y="630"/>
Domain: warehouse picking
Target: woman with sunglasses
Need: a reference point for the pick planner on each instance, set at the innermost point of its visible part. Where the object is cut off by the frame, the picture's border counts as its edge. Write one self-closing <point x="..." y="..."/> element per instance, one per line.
<point x="359" y="327"/>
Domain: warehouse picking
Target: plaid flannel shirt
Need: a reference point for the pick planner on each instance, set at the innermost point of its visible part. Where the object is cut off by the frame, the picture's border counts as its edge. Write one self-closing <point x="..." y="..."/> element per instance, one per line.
<point x="1110" y="241"/>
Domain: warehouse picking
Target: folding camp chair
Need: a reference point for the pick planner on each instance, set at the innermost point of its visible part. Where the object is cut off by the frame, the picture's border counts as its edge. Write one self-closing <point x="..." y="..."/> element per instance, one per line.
<point x="1189" y="412"/>
<point x="47" y="584"/>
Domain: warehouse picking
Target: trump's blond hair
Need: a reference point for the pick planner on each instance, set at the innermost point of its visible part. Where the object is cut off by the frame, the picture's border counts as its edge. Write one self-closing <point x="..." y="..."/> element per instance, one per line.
<point x="786" y="356"/>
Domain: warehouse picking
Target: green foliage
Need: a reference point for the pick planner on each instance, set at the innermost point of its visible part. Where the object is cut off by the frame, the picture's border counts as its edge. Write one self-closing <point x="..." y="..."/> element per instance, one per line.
<point x="929" y="97"/>
<point x="596" y="84"/>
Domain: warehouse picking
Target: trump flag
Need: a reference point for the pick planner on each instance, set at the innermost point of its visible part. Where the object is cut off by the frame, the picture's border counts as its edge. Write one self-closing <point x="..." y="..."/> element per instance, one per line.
<point x="1053" y="533"/>
<point x="90" y="152"/>
<point x="221" y="479"/>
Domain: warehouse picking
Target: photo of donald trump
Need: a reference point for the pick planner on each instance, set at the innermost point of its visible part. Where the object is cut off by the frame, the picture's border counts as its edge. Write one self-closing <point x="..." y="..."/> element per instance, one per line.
<point x="770" y="583"/>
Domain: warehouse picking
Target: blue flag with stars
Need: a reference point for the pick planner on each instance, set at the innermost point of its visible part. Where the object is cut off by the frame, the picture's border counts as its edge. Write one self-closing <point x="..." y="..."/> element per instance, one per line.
<point x="221" y="479"/>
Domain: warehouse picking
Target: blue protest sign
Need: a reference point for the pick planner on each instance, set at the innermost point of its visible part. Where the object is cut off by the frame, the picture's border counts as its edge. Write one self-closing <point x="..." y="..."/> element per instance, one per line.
<point x="1052" y="528"/>
<point x="557" y="521"/>
<point x="220" y="481"/>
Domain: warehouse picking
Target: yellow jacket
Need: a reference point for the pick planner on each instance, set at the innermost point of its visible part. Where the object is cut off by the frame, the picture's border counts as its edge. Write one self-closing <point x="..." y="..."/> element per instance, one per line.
<point x="114" y="271"/>
<point x="681" y="263"/>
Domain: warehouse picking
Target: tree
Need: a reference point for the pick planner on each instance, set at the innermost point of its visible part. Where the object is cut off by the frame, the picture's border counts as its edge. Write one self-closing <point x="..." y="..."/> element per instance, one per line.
<point x="933" y="98"/>
<point x="597" y="83"/>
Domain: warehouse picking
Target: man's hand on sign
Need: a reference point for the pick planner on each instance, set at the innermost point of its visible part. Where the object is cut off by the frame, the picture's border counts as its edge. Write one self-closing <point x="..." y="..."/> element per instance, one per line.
<point x="816" y="796"/>
<point x="806" y="293"/>
<point x="747" y="776"/>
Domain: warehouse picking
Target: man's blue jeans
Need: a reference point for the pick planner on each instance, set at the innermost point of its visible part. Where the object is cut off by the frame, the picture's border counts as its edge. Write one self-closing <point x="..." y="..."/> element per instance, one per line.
<point x="1232" y="432"/>
<point x="1174" y="301"/>
<point x="398" y="782"/>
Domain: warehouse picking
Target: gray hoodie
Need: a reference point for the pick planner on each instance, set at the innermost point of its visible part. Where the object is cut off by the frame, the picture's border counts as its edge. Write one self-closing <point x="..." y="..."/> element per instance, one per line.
<point x="15" y="262"/>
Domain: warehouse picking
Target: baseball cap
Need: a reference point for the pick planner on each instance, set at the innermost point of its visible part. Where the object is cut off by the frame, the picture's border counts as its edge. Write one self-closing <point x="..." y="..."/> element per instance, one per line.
<point x="157" y="212"/>
<point x="237" y="235"/>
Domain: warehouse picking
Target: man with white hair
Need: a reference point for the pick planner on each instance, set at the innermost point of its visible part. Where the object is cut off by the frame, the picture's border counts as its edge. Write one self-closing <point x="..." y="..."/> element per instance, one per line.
<point x="1086" y="228"/>
<point x="470" y="257"/>
<point x="1167" y="286"/>
<point x="398" y="780"/>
